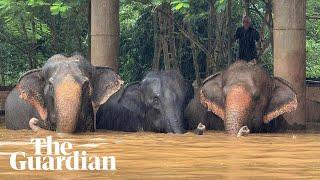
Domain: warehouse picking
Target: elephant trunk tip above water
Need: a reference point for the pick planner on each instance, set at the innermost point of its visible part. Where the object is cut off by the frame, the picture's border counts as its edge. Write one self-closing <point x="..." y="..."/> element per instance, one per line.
<point x="245" y="95"/>
<point x="60" y="96"/>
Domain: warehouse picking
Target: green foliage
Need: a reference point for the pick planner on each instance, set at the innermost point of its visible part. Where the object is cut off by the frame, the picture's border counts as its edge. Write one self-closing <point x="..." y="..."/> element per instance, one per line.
<point x="313" y="39"/>
<point x="136" y="40"/>
<point x="180" y="4"/>
<point x="313" y="56"/>
<point x="33" y="30"/>
<point x="59" y="8"/>
<point x="221" y="5"/>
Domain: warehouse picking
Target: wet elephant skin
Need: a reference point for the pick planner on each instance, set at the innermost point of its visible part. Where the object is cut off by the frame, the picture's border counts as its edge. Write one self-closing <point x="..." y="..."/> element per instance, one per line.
<point x="245" y="95"/>
<point x="62" y="96"/>
<point x="154" y="104"/>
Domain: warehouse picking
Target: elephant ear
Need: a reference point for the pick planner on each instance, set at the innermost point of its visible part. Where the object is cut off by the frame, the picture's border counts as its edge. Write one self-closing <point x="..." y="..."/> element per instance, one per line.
<point x="283" y="100"/>
<point x="30" y="87"/>
<point x="131" y="98"/>
<point x="189" y="91"/>
<point x="105" y="83"/>
<point x="211" y="95"/>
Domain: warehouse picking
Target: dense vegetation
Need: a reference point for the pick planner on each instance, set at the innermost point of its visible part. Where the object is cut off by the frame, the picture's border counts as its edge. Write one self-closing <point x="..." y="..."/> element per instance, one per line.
<point x="191" y="35"/>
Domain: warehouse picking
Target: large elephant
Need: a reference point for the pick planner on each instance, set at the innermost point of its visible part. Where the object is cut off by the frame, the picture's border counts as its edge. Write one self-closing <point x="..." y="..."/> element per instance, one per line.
<point x="244" y="94"/>
<point x="154" y="104"/>
<point x="62" y="96"/>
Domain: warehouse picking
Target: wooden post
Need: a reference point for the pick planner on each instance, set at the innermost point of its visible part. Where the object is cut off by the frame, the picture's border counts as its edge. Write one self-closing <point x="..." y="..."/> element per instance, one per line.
<point x="290" y="50"/>
<point x="105" y="30"/>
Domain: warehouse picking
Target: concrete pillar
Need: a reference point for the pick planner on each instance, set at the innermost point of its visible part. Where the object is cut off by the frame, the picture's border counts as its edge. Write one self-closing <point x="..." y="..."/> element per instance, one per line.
<point x="105" y="30"/>
<point x="290" y="50"/>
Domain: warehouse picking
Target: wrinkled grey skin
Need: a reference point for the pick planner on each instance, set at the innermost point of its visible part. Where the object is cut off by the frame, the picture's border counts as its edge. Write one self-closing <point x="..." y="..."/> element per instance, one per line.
<point x="154" y="104"/>
<point x="196" y="113"/>
<point x="62" y="96"/>
<point x="245" y="95"/>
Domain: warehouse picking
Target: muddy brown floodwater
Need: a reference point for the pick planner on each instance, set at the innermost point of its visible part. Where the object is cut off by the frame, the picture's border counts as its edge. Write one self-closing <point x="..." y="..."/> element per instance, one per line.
<point x="167" y="156"/>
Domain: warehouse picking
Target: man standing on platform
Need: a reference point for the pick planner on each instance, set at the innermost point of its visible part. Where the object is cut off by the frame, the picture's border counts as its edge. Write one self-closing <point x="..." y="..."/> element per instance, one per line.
<point x="247" y="37"/>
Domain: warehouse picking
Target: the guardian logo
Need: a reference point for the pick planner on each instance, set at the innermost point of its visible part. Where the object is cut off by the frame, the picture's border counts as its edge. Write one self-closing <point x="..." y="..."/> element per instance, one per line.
<point x="51" y="155"/>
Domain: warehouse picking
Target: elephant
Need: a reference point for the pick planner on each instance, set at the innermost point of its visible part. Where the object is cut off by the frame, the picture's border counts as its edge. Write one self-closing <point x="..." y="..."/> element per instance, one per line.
<point x="245" y="95"/>
<point x="196" y="113"/>
<point x="63" y="96"/>
<point x="154" y="104"/>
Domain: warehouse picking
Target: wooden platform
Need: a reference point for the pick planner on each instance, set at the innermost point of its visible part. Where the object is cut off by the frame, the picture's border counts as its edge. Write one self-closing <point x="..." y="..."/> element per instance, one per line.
<point x="313" y="107"/>
<point x="4" y="91"/>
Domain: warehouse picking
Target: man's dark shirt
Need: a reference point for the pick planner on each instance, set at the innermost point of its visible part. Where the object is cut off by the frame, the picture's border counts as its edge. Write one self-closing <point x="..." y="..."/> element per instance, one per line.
<point x="247" y="43"/>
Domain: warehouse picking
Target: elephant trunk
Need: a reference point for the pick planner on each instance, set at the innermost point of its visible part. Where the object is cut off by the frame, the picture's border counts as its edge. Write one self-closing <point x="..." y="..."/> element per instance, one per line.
<point x="238" y="103"/>
<point x="175" y="121"/>
<point x="67" y="103"/>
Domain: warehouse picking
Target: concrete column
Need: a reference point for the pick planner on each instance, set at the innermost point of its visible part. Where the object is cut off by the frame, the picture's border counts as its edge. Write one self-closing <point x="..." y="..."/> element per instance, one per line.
<point x="290" y="50"/>
<point x="105" y="30"/>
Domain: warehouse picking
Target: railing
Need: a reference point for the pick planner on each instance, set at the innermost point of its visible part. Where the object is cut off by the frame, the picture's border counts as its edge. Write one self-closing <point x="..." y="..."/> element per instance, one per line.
<point x="313" y="82"/>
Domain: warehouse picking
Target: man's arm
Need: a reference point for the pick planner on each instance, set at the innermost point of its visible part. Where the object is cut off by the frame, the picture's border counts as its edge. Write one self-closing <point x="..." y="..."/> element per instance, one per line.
<point x="257" y="36"/>
<point x="236" y="36"/>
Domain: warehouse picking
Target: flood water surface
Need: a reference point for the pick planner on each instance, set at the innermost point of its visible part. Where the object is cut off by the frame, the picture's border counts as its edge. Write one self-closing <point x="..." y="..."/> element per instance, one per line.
<point x="167" y="156"/>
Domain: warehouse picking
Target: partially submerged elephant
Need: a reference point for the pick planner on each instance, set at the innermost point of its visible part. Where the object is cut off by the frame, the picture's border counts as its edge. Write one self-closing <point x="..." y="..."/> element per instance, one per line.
<point x="245" y="95"/>
<point x="196" y="113"/>
<point x="154" y="104"/>
<point x="62" y="96"/>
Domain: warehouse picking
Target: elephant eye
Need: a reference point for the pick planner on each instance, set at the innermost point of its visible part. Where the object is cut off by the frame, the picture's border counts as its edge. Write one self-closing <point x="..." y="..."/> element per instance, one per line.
<point x="256" y="97"/>
<point x="50" y="87"/>
<point x="156" y="101"/>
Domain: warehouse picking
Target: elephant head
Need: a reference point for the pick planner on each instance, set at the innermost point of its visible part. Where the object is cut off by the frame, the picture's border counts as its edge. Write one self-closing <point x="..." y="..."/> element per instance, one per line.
<point x="162" y="97"/>
<point x="67" y="91"/>
<point x="244" y="94"/>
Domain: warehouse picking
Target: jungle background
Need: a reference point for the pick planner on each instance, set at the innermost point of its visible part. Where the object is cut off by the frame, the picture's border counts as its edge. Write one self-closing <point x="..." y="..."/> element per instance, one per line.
<point x="194" y="36"/>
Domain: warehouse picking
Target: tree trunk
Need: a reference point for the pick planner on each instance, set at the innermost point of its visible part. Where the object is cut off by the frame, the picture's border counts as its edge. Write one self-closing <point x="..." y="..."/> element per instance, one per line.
<point x="171" y="40"/>
<point x="180" y="48"/>
<point x="54" y="42"/>
<point x="2" y="71"/>
<point x="224" y="43"/>
<point x="163" y="35"/>
<point x="220" y="48"/>
<point x="105" y="33"/>
<point x="211" y="37"/>
<point x="229" y="32"/>
<point x="89" y="32"/>
<point x="195" y="53"/>
<point x="246" y="8"/>
<point x="29" y="51"/>
<point x="164" y="39"/>
<point x="157" y="45"/>
<point x="270" y="23"/>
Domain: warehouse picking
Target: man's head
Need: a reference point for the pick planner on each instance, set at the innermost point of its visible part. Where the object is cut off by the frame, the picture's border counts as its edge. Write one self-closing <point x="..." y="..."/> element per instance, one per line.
<point x="246" y="21"/>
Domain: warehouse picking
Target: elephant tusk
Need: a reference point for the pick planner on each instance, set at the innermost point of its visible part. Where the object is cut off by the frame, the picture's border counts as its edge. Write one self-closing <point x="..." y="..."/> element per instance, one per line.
<point x="33" y="123"/>
<point x="200" y="129"/>
<point x="243" y="131"/>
